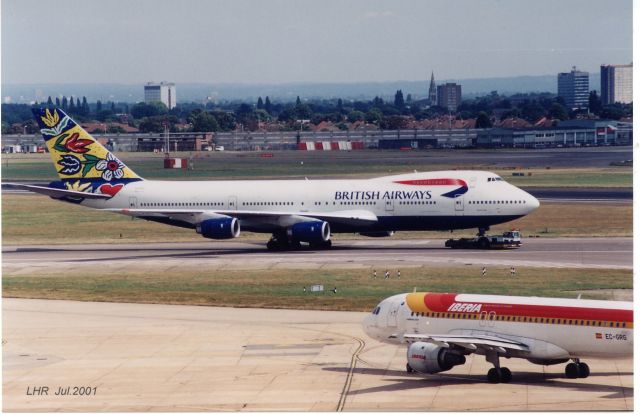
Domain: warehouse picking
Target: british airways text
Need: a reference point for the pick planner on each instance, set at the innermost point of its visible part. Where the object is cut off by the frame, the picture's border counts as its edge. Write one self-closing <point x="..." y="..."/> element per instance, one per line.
<point x="387" y="195"/>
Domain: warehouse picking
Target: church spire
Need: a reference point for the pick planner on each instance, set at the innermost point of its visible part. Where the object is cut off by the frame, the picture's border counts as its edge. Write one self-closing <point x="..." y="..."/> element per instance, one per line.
<point x="432" y="91"/>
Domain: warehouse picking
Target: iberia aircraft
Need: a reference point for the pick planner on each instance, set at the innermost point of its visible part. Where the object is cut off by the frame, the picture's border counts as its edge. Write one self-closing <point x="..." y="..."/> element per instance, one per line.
<point x="293" y="211"/>
<point x="442" y="328"/>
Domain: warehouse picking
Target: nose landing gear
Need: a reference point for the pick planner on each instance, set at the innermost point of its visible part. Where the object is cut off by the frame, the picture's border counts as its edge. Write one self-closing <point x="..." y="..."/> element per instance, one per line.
<point x="482" y="231"/>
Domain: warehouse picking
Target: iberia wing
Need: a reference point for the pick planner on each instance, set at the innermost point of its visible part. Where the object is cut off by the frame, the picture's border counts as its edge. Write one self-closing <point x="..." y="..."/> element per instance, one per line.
<point x="472" y="342"/>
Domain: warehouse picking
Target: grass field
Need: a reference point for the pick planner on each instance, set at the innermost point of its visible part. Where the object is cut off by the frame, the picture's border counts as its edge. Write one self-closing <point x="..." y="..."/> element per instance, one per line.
<point x="356" y="290"/>
<point x="573" y="177"/>
<point x="35" y="219"/>
<point x="37" y="167"/>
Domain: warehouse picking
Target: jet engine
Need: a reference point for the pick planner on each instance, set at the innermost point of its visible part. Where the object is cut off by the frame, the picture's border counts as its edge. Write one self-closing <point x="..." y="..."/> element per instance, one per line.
<point x="219" y="228"/>
<point x="387" y="233"/>
<point x="428" y="358"/>
<point x="310" y="231"/>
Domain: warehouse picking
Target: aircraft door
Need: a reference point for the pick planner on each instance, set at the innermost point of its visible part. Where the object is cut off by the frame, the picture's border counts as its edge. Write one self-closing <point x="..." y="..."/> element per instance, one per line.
<point x="388" y="205"/>
<point x="233" y="203"/>
<point x="459" y="205"/>
<point x="483" y="318"/>
<point x="491" y="321"/>
<point x="133" y="202"/>
<point x="487" y="318"/>
<point x="392" y="316"/>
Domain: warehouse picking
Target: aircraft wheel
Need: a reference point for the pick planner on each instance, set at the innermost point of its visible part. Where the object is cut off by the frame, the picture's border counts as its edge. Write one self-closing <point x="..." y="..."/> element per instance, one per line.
<point x="583" y="370"/>
<point x="409" y="369"/>
<point x="571" y="370"/>
<point x="493" y="376"/>
<point x="321" y="245"/>
<point x="272" y="245"/>
<point x="294" y="245"/>
<point x="505" y="375"/>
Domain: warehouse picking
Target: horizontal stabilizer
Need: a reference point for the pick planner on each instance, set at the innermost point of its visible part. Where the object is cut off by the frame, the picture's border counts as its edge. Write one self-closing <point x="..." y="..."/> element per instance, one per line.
<point x="57" y="192"/>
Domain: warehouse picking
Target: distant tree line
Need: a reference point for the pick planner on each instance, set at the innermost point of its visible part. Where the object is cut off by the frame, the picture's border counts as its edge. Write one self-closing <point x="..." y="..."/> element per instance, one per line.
<point x="231" y="115"/>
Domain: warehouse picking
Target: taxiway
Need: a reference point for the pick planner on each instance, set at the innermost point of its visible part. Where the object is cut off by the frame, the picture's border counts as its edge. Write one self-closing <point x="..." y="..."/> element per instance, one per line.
<point x="600" y="252"/>
<point x="187" y="358"/>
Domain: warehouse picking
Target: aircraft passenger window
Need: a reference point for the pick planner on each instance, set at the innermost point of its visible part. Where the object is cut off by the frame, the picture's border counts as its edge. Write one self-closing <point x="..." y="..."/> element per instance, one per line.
<point x="624" y="324"/>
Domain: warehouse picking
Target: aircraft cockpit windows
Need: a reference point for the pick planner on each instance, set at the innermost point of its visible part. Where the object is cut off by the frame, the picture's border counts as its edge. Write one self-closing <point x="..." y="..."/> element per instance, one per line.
<point x="489" y="179"/>
<point x="376" y="310"/>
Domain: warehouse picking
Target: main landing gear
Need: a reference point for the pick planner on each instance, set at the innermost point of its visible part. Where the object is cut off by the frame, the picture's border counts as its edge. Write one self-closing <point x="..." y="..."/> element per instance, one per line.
<point x="577" y="369"/>
<point x="280" y="242"/>
<point x="497" y="374"/>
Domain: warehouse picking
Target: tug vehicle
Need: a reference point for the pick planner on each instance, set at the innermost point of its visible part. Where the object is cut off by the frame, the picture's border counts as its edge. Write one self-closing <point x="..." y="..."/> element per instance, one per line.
<point x="507" y="240"/>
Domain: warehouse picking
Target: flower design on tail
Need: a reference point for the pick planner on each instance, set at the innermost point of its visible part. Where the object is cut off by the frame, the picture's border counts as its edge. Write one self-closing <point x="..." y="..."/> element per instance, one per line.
<point x="70" y="165"/>
<point x="111" y="168"/>
<point x="73" y="144"/>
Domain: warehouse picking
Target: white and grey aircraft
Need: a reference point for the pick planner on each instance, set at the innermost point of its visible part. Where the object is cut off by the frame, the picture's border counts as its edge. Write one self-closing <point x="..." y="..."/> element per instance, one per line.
<point x="293" y="211"/>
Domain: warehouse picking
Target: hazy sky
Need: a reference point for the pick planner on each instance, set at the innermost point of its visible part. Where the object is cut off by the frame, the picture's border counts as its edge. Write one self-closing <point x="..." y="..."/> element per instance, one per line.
<point x="278" y="41"/>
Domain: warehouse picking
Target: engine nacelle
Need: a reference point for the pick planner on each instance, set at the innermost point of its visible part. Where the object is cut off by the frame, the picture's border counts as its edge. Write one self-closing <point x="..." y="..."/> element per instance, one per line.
<point x="428" y="358"/>
<point x="387" y="233"/>
<point x="310" y="231"/>
<point x="220" y="228"/>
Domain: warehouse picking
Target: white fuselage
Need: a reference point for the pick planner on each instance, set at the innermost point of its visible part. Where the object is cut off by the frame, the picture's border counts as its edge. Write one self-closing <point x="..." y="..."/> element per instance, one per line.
<point x="553" y="329"/>
<point x="415" y="201"/>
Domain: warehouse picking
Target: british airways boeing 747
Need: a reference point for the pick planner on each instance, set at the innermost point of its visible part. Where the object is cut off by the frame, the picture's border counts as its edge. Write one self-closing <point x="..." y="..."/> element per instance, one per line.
<point x="293" y="211"/>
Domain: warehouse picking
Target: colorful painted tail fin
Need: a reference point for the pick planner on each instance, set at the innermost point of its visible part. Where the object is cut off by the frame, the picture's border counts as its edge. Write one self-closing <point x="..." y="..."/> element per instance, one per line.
<point x="83" y="164"/>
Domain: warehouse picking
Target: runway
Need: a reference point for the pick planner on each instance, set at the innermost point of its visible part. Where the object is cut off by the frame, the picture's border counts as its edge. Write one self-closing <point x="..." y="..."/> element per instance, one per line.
<point x="183" y="358"/>
<point x="609" y="253"/>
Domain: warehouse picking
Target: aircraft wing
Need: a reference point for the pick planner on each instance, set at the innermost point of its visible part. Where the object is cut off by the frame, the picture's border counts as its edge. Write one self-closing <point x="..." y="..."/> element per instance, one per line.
<point x="283" y="218"/>
<point x="471" y="342"/>
<point x="57" y="192"/>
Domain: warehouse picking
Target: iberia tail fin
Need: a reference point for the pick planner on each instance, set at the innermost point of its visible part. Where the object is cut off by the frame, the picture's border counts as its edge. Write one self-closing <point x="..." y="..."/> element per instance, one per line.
<point x="82" y="163"/>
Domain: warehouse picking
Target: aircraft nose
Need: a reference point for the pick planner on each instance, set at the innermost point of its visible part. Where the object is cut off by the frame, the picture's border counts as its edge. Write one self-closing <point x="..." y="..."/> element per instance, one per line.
<point x="535" y="203"/>
<point x="368" y="324"/>
<point x="532" y="203"/>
